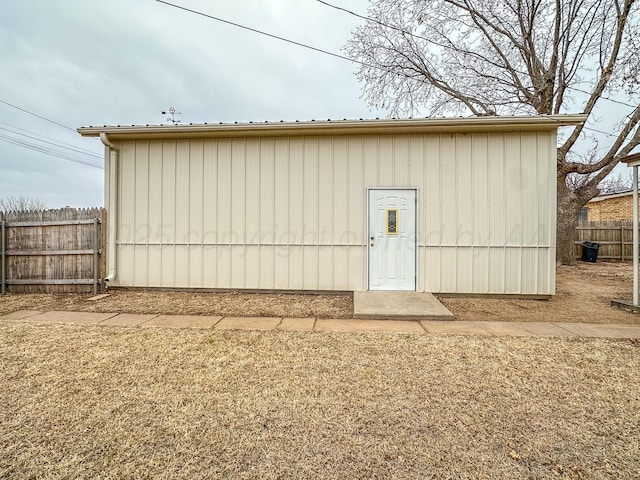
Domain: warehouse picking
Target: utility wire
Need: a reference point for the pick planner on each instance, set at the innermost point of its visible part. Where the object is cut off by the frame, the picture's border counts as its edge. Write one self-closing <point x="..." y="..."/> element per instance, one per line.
<point x="88" y="152"/>
<point x="52" y="143"/>
<point x="326" y="52"/>
<point x="37" y="148"/>
<point x="406" y="32"/>
<point x="38" y="116"/>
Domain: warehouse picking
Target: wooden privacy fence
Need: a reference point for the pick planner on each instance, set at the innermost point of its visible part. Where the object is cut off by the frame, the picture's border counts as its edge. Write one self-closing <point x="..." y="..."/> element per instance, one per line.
<point x="51" y="251"/>
<point x="615" y="239"/>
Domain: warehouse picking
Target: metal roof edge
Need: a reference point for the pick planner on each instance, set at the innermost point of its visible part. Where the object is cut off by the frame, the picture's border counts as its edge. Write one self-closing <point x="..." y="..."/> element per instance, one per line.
<point x="339" y="127"/>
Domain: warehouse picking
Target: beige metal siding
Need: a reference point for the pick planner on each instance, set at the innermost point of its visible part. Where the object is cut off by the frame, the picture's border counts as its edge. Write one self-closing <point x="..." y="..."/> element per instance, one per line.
<point x="290" y="212"/>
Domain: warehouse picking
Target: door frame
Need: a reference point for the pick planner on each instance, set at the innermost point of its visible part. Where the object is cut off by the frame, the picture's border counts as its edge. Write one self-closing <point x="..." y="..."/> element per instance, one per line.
<point x="368" y="232"/>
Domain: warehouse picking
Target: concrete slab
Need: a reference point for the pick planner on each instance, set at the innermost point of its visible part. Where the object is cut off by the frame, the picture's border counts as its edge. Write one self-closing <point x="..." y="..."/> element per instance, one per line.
<point x="603" y="330"/>
<point x="452" y="328"/>
<point x="504" y="328"/>
<point x="80" y="318"/>
<point x="182" y="321"/>
<point x="297" y="324"/>
<point x="546" y="329"/>
<point x="128" y="319"/>
<point x="398" y="305"/>
<point x="349" y="325"/>
<point x="20" y="314"/>
<point x="248" y="323"/>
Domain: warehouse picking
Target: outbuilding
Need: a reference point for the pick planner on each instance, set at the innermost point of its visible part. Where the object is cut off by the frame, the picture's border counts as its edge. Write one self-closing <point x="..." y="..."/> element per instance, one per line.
<point x="448" y="206"/>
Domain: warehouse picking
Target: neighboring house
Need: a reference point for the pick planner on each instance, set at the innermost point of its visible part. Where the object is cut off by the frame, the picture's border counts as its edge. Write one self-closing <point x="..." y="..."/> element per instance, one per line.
<point x="611" y="206"/>
<point x="452" y="205"/>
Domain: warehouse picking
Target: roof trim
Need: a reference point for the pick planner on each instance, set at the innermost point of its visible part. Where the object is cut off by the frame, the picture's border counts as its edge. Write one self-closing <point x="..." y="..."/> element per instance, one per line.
<point x="338" y="127"/>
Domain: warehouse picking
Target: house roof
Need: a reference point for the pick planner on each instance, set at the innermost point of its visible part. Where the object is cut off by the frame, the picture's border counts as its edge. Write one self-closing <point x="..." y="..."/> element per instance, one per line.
<point x="608" y="195"/>
<point x="336" y="127"/>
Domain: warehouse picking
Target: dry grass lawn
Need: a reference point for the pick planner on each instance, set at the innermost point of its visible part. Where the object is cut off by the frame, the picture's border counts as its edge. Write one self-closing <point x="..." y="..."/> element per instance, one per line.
<point x="116" y="402"/>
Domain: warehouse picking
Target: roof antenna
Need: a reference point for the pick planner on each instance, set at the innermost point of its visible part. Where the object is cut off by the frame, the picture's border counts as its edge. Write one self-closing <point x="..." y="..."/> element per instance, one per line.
<point x="173" y="113"/>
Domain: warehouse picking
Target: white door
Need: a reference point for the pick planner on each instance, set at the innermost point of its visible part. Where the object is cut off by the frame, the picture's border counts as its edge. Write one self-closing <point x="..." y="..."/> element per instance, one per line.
<point x="392" y="239"/>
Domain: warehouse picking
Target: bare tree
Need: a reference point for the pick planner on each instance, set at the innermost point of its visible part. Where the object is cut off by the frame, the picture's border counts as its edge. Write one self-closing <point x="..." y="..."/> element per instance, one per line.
<point x="21" y="204"/>
<point x="492" y="57"/>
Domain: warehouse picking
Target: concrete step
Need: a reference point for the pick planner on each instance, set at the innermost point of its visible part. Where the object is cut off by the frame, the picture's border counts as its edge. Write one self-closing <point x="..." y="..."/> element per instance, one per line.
<point x="395" y="305"/>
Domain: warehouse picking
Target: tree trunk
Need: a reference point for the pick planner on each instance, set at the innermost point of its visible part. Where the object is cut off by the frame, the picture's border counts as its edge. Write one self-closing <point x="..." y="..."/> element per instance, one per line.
<point x="567" y="220"/>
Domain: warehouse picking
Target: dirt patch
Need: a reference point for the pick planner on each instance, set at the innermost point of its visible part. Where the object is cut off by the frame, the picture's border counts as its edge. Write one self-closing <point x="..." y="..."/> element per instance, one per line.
<point x="584" y="293"/>
<point x="231" y="304"/>
<point x="115" y="402"/>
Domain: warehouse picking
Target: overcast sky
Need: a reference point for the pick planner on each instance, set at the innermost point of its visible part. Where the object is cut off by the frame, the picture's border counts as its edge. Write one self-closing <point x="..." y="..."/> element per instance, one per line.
<point x="95" y="62"/>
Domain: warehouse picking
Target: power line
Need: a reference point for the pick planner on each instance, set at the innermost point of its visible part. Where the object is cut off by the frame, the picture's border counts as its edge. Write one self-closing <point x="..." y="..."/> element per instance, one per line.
<point x="52" y="143"/>
<point x="46" y="151"/>
<point x="402" y="30"/>
<point x="326" y="52"/>
<point x="89" y="152"/>
<point x="38" y="116"/>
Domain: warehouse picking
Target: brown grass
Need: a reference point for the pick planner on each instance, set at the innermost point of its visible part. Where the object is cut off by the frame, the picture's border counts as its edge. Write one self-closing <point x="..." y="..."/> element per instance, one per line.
<point x="109" y="402"/>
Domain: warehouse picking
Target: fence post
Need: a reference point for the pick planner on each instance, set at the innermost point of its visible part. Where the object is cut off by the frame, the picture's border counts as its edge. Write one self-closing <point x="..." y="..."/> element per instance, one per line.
<point x="622" y="243"/>
<point x="3" y="254"/>
<point x="96" y="265"/>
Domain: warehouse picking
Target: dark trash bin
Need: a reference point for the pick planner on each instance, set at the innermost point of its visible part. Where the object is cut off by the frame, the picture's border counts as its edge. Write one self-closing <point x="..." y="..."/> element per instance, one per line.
<point x="590" y="251"/>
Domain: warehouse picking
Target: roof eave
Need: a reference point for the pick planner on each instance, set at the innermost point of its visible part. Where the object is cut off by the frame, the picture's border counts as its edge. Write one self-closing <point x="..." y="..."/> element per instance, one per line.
<point x="341" y="127"/>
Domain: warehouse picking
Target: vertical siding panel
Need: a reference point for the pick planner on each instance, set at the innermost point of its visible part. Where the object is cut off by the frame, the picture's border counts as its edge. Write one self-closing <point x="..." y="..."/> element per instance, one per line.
<point x="155" y="213"/>
<point x="496" y="270"/>
<point x="340" y="181"/>
<point x="252" y="213"/>
<point x="253" y="195"/>
<point x="481" y="270"/>
<point x="310" y="267"/>
<point x="357" y="268"/>
<point x="266" y="266"/>
<point x="296" y="190"/>
<point x="252" y="266"/>
<point x="325" y="268"/>
<point x="546" y="191"/>
<point x="196" y="211"/>
<point x="433" y="267"/>
<point x="340" y="271"/>
<point x="529" y="182"/>
<point x="210" y="212"/>
<point x="385" y="161"/>
<point x="401" y="161"/>
<point x="267" y="193"/>
<point x="464" y="269"/>
<point x="168" y="229"/>
<point x="141" y="214"/>
<point x="448" y="180"/>
<point x="312" y="199"/>
<point x="224" y="211"/>
<point x="416" y="179"/>
<point x="282" y="257"/>
<point x="480" y="206"/>
<point x="267" y="211"/>
<point x="529" y="273"/>
<point x="183" y="167"/>
<point x="295" y="265"/>
<point x="546" y="264"/>
<point x="127" y="193"/>
<point x="513" y="270"/>
<point x="281" y="200"/>
<point x="432" y="225"/>
<point x="357" y="193"/>
<point x="371" y="167"/>
<point x="448" y="269"/>
<point x="464" y="194"/>
<point x="325" y="193"/>
<point x="238" y="191"/>
<point x="513" y="189"/>
<point x="497" y="205"/>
